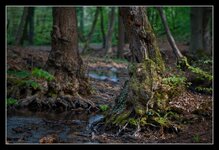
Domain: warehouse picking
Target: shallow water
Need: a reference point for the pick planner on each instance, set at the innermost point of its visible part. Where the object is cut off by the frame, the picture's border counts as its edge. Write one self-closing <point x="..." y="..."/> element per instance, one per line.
<point x="109" y="74"/>
<point x="29" y="127"/>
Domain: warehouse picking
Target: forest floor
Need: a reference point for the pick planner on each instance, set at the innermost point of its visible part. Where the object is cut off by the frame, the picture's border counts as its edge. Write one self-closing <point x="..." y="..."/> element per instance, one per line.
<point x="107" y="77"/>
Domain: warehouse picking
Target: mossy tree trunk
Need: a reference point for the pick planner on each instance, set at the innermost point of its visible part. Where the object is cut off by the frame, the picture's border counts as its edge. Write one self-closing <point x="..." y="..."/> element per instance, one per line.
<point x="139" y="93"/>
<point x="64" y="61"/>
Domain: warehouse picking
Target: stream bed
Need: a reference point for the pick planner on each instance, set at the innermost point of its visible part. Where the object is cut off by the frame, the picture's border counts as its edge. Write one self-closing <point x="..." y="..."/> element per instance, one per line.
<point x="41" y="127"/>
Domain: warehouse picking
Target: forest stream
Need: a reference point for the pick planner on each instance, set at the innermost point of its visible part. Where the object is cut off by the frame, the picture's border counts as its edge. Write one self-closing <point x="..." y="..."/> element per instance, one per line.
<point x="24" y="126"/>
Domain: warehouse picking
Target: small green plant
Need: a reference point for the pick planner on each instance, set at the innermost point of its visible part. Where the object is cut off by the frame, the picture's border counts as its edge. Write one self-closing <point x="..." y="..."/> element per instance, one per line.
<point x="19" y="74"/>
<point x="33" y="84"/>
<point x="163" y="119"/>
<point x="204" y="89"/>
<point x="104" y="107"/>
<point x="174" y="80"/>
<point x="133" y="121"/>
<point x="196" y="138"/>
<point x="11" y="101"/>
<point x="39" y="73"/>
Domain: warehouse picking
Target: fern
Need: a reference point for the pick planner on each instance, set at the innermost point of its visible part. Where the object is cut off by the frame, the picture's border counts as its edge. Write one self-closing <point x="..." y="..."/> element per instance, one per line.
<point x="39" y="73"/>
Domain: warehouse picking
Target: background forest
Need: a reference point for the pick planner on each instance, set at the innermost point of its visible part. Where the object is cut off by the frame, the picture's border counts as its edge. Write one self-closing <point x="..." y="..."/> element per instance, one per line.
<point x="40" y="26"/>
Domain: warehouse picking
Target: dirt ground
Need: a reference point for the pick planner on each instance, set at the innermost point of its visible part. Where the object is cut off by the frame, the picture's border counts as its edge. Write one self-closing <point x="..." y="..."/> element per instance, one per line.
<point x="196" y="126"/>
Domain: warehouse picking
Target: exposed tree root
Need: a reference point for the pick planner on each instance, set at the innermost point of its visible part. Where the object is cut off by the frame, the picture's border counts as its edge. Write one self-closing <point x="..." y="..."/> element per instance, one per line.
<point x="61" y="103"/>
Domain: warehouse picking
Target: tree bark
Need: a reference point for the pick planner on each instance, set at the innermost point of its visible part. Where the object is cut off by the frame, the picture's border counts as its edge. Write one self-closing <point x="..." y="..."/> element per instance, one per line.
<point x="121" y="41"/>
<point x="200" y="29"/>
<point x="207" y="12"/>
<point x="138" y="93"/>
<point x="64" y="61"/>
<point x="108" y="48"/>
<point x="21" y="29"/>
<point x="170" y="38"/>
<point x="102" y="27"/>
<point x="196" y="29"/>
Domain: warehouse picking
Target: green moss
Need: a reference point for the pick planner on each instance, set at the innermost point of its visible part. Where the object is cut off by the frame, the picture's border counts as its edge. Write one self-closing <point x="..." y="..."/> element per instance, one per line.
<point x="133" y="121"/>
<point x="121" y="117"/>
<point x="183" y="64"/>
<point x="140" y="110"/>
<point x="143" y="121"/>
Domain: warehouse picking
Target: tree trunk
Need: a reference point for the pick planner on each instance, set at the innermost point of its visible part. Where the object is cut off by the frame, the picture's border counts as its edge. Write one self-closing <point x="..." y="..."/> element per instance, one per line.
<point x="121" y="41"/>
<point x="89" y="36"/>
<point x="207" y="12"/>
<point x="31" y="24"/>
<point x="64" y="61"/>
<point x="170" y="38"/>
<point x="196" y="29"/>
<point x="102" y="27"/>
<point x="21" y="29"/>
<point x="108" y="48"/>
<point x="139" y="93"/>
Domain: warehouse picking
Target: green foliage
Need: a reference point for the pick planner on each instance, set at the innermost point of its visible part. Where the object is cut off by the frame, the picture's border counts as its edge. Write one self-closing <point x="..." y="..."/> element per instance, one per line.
<point x="174" y="80"/>
<point x="33" y="84"/>
<point x="19" y="74"/>
<point x="196" y="138"/>
<point x="133" y="121"/>
<point x="173" y="86"/>
<point x="204" y="89"/>
<point x="202" y="74"/>
<point x="104" y="107"/>
<point x="11" y="101"/>
<point x="39" y="73"/>
<point x="163" y="120"/>
<point x="180" y="28"/>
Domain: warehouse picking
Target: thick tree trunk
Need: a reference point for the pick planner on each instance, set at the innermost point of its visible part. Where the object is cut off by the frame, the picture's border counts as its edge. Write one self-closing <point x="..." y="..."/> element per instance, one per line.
<point x="89" y="36"/>
<point x="121" y="41"/>
<point x="102" y="27"/>
<point x="64" y="61"/>
<point x="139" y="93"/>
<point x="170" y="38"/>
<point x="196" y="29"/>
<point x="21" y="29"/>
<point x="108" y="48"/>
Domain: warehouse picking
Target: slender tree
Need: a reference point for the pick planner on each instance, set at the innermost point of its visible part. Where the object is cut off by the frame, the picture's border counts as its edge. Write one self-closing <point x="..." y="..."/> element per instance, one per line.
<point x="31" y="24"/>
<point x="89" y="36"/>
<point x="170" y="38"/>
<point x="102" y="27"/>
<point x="121" y="41"/>
<point x="108" y="48"/>
<point x="21" y="28"/>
